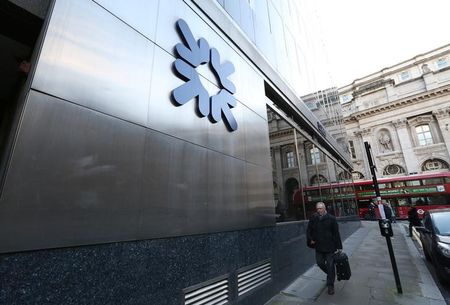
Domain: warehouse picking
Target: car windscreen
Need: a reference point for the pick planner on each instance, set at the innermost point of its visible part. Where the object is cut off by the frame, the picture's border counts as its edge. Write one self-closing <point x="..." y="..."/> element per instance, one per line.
<point x="442" y="223"/>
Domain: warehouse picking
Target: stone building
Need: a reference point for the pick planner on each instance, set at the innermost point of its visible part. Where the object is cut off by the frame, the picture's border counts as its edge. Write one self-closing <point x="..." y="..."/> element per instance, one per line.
<point x="403" y="112"/>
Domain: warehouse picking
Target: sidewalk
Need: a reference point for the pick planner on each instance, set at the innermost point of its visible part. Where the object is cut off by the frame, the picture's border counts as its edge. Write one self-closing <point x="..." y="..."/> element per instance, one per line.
<point x="372" y="281"/>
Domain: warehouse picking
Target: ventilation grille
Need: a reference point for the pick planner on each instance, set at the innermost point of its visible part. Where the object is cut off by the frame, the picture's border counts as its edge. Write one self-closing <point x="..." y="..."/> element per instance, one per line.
<point x="253" y="278"/>
<point x="215" y="293"/>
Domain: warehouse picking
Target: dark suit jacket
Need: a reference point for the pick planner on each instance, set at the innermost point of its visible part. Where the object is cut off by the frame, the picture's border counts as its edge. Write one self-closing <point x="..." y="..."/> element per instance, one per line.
<point x="325" y="233"/>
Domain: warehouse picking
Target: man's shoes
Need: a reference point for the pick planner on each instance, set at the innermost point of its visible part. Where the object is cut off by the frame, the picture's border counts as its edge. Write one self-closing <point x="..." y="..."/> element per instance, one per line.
<point x="330" y="290"/>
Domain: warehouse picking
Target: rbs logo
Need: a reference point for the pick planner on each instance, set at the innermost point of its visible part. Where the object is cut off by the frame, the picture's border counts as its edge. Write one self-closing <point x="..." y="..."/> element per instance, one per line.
<point x="192" y="54"/>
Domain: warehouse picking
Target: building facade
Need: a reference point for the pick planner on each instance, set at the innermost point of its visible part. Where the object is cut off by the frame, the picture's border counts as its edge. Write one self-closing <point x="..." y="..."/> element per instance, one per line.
<point x="135" y="151"/>
<point x="403" y="113"/>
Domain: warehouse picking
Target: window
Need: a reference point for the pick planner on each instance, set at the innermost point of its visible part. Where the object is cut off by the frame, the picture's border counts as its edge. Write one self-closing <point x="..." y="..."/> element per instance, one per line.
<point x="432" y="181"/>
<point x="424" y="135"/>
<point x="442" y="62"/>
<point x="315" y="155"/>
<point x="346" y="98"/>
<point x="344" y="176"/>
<point x="352" y="149"/>
<point x="413" y="183"/>
<point x="398" y="184"/>
<point x="318" y="179"/>
<point x="393" y="169"/>
<point x="434" y="164"/>
<point x="290" y="161"/>
<point x="405" y="75"/>
<point x="357" y="176"/>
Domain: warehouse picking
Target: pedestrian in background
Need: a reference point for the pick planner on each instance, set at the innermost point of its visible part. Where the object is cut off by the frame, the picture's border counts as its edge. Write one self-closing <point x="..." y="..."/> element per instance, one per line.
<point x="323" y="235"/>
<point x="387" y="210"/>
<point x="414" y="220"/>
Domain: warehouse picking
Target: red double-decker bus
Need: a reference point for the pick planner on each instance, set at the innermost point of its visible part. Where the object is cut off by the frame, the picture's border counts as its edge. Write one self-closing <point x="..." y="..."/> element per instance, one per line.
<point x="338" y="197"/>
<point x="424" y="191"/>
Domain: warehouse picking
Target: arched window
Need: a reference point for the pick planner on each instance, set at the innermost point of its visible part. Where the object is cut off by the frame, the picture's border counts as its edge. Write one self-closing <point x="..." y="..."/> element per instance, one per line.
<point x="357" y="175"/>
<point x="344" y="176"/>
<point x="393" y="169"/>
<point x="316" y="179"/>
<point x="434" y="164"/>
<point x="424" y="135"/>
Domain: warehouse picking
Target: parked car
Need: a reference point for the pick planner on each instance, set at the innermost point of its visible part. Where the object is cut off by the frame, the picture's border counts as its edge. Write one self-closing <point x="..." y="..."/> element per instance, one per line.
<point x="435" y="237"/>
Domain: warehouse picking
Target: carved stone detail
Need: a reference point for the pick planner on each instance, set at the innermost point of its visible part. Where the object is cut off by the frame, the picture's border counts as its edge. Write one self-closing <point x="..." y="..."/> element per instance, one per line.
<point x="442" y="113"/>
<point x="400" y="123"/>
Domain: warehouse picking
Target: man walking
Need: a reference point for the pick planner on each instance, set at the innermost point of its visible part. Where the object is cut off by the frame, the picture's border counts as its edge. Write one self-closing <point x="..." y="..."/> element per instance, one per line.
<point x="323" y="235"/>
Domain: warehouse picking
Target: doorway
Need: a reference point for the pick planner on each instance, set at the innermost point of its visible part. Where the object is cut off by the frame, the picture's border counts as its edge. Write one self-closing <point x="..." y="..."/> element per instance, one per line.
<point x="19" y="32"/>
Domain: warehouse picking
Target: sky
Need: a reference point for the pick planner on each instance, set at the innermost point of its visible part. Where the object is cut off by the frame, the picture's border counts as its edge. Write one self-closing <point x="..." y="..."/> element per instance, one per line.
<point x="361" y="37"/>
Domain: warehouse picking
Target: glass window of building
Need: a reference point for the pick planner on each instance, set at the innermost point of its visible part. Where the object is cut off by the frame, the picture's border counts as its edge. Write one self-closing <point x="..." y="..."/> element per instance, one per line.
<point x="424" y="135"/>
<point x="405" y="75"/>
<point x="315" y="155"/>
<point x="442" y="62"/>
<point x="393" y="169"/>
<point x="434" y="164"/>
<point x="290" y="160"/>
<point x="351" y="145"/>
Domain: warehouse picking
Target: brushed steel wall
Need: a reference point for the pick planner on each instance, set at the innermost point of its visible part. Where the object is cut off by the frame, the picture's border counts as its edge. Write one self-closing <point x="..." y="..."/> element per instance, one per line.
<point x="102" y="154"/>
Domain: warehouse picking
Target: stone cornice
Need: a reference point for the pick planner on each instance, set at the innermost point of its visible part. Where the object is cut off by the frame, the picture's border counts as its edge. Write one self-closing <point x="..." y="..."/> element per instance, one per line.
<point x="400" y="103"/>
<point x="284" y="132"/>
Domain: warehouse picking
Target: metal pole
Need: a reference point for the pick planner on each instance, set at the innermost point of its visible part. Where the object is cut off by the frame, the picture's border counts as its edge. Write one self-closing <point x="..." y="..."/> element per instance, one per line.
<point x="394" y="265"/>
<point x="388" y="238"/>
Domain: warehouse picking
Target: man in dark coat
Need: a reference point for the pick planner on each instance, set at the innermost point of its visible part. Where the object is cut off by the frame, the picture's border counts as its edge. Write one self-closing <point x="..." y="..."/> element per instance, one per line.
<point x="387" y="210"/>
<point x="323" y="235"/>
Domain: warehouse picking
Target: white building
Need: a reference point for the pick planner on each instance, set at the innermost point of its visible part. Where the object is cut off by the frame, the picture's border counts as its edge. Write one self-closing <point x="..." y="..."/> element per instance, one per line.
<point x="403" y="112"/>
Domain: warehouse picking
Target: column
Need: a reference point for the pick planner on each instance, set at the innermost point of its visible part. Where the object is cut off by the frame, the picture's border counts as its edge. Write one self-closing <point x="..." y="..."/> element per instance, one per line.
<point x="406" y="145"/>
<point x="365" y="136"/>
<point x="443" y="119"/>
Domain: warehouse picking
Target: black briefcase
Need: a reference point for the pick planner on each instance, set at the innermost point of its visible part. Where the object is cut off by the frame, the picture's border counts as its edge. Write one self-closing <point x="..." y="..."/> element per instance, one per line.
<point x="343" y="271"/>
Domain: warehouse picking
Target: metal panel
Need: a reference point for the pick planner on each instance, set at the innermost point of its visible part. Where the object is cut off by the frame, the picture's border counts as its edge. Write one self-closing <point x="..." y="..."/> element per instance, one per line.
<point x="175" y="187"/>
<point x="227" y="193"/>
<point x="257" y="144"/>
<point x="140" y="14"/>
<point x="93" y="59"/>
<point x="163" y="115"/>
<point x="75" y="178"/>
<point x="260" y="196"/>
<point x="249" y="86"/>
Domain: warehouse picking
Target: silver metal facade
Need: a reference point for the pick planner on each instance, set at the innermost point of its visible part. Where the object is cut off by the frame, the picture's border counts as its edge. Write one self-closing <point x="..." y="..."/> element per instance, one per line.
<point x="103" y="155"/>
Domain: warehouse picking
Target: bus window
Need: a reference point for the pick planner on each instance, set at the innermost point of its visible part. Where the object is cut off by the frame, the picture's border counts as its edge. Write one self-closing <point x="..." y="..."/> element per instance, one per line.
<point x="413" y="183"/>
<point x="418" y="200"/>
<point x="447" y="180"/>
<point x="398" y="184"/>
<point x="312" y="193"/>
<point x="382" y="185"/>
<point x="438" y="200"/>
<point x="366" y="187"/>
<point x="432" y="181"/>
<point x="402" y="202"/>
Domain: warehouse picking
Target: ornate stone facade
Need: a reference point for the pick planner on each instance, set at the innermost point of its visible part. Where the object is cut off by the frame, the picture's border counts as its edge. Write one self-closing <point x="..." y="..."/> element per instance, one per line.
<point x="404" y="113"/>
